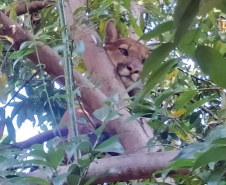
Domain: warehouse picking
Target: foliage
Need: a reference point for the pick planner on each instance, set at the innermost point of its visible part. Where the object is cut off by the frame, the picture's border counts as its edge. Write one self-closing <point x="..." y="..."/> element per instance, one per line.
<point x="183" y="95"/>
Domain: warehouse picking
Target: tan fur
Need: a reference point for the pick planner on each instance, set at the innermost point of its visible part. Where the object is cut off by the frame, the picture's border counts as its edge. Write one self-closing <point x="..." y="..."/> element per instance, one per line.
<point x="128" y="67"/>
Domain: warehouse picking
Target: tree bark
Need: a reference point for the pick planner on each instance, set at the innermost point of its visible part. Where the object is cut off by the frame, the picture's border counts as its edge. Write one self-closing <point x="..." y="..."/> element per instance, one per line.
<point x="24" y="7"/>
<point x="123" y="168"/>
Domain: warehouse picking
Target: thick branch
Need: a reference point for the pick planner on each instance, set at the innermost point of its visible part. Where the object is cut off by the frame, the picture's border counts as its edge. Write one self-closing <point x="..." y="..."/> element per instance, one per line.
<point x="38" y="139"/>
<point x="46" y="55"/>
<point x="124" y="167"/>
<point x="33" y="6"/>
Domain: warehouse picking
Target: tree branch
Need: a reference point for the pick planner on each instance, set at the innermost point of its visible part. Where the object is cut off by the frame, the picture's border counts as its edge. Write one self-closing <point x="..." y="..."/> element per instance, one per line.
<point x="38" y="139"/>
<point x="124" y="167"/>
<point x="22" y="7"/>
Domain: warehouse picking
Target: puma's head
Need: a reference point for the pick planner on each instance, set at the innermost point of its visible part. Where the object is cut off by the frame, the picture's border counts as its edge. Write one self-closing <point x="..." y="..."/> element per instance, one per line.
<point x="126" y="54"/>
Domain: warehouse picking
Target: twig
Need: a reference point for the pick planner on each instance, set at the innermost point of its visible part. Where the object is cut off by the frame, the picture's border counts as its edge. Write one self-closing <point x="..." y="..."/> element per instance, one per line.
<point x="142" y="126"/>
<point x="196" y="77"/>
<point x="206" y="110"/>
<point x="26" y="82"/>
<point x="79" y="102"/>
<point x="207" y="89"/>
<point x="153" y="145"/>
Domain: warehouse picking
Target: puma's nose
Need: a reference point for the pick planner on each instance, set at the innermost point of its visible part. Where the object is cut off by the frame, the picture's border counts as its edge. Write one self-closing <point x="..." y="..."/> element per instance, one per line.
<point x="133" y="69"/>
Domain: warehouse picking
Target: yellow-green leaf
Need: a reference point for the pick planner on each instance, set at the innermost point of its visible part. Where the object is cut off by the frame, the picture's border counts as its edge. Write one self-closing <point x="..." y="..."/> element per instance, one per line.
<point x="176" y="114"/>
<point x="13" y="14"/>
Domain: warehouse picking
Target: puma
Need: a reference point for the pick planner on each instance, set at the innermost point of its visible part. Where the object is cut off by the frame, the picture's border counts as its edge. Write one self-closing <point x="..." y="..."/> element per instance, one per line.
<point x="126" y="54"/>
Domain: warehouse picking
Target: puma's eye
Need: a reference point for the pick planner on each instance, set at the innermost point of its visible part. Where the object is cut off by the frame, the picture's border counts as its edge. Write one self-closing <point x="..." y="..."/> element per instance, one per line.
<point x="124" y="51"/>
<point x="143" y="61"/>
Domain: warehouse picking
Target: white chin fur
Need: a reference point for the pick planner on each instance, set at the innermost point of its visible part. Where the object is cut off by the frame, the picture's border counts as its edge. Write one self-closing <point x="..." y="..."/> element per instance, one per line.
<point x="124" y="72"/>
<point x="135" y="77"/>
<point x="127" y="81"/>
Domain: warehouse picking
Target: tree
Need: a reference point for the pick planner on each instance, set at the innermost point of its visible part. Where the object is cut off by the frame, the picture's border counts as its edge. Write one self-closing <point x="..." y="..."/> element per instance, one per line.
<point x="179" y="105"/>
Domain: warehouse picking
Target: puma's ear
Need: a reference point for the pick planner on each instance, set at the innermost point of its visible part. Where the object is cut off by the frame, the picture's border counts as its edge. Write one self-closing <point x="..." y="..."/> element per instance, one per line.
<point x="112" y="34"/>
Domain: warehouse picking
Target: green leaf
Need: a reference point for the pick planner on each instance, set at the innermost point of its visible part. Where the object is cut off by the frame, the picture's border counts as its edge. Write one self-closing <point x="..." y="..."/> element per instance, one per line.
<point x="99" y="131"/>
<point x="21" y="117"/>
<point x="25" y="45"/>
<point x="192" y="107"/>
<point x="102" y="113"/>
<point x="80" y="47"/>
<point x="136" y="27"/>
<point x="208" y="5"/>
<point x="179" y="10"/>
<point x="78" y="10"/>
<point x="93" y="179"/>
<point x="212" y="63"/>
<point x="222" y="6"/>
<point x="1" y="48"/>
<point x="164" y="95"/>
<point x="60" y="179"/>
<point x="84" y="161"/>
<point x="177" y="165"/>
<point x="114" y="115"/>
<point x="21" y="53"/>
<point x="30" y="180"/>
<point x="221" y="141"/>
<point x="85" y="146"/>
<point x="75" y="169"/>
<point x="18" y="55"/>
<point x="144" y="109"/>
<point x="110" y="145"/>
<point x="190" y="150"/>
<point x="156" y="76"/>
<point x="55" y="157"/>
<point x="38" y="153"/>
<point x="184" y="15"/>
<point x="30" y="115"/>
<point x="126" y="4"/>
<point x="216" y="176"/>
<point x="163" y="27"/>
<point x="184" y="98"/>
<point x="213" y="155"/>
<point x="134" y="116"/>
<point x="16" y="108"/>
<point x="188" y="42"/>
<point x="73" y="179"/>
<point x="142" y="22"/>
<point x="155" y="58"/>
<point x="82" y="121"/>
<point x="102" y="7"/>
<point x="13" y="14"/>
<point x="35" y="162"/>
<point x="217" y="133"/>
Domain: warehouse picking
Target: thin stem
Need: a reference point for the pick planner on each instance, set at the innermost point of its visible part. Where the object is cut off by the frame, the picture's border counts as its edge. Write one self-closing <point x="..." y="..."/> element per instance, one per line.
<point x="69" y="81"/>
<point x="197" y="78"/>
<point x="21" y="87"/>
<point x="42" y="74"/>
